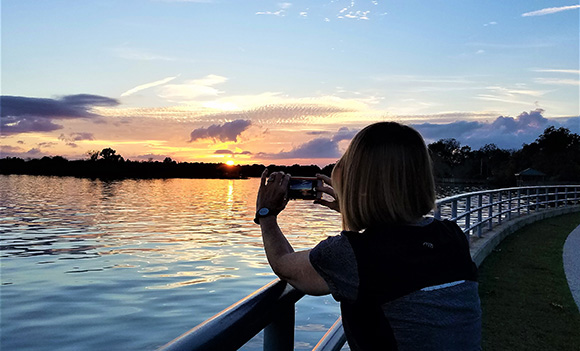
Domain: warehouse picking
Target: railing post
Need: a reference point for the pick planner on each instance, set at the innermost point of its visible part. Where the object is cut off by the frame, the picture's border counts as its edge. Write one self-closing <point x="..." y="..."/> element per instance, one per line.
<point x="490" y="212"/>
<point x="509" y="216"/>
<point x="467" y="214"/>
<point x="437" y="213"/>
<point x="479" y="215"/>
<point x="528" y="200"/>
<point x="279" y="335"/>
<point x="537" y="199"/>
<point x="556" y="196"/>
<point x="499" y="208"/>
<point x="519" y="201"/>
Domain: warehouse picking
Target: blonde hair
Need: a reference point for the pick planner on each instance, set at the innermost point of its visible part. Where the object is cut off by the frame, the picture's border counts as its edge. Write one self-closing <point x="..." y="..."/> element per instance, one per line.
<point x="384" y="177"/>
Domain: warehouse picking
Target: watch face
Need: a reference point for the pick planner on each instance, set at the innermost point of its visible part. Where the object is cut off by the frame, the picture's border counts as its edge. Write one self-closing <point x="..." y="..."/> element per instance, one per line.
<point x="263" y="211"/>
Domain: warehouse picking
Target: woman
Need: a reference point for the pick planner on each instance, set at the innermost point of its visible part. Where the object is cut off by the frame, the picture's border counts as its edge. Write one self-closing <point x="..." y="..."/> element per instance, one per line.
<point x="404" y="281"/>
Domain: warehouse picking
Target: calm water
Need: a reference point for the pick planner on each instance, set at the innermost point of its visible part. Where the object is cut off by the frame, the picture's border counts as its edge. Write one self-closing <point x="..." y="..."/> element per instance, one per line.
<point x="131" y="264"/>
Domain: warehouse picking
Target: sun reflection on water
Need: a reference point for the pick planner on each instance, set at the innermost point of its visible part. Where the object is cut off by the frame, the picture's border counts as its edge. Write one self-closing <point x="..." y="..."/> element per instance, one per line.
<point x="168" y="228"/>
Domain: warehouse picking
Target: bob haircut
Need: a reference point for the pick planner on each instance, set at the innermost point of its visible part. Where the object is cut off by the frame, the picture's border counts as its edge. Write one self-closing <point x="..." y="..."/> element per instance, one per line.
<point x="384" y="177"/>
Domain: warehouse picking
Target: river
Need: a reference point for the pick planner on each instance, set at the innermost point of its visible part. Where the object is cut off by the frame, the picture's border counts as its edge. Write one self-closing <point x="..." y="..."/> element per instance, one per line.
<point x="131" y="264"/>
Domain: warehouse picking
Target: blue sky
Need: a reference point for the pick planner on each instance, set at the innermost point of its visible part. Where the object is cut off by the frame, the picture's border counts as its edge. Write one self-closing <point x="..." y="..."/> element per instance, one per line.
<point x="266" y="81"/>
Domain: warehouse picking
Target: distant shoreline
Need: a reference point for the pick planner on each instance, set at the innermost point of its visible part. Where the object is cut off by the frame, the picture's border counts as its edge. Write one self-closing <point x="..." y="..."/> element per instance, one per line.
<point x="121" y="169"/>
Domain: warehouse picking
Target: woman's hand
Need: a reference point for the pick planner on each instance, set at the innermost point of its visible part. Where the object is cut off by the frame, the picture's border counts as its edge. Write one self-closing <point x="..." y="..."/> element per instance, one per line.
<point x="327" y="189"/>
<point x="273" y="192"/>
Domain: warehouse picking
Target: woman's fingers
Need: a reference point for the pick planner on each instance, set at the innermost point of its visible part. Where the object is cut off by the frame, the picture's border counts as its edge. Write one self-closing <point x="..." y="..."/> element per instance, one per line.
<point x="285" y="180"/>
<point x="264" y="177"/>
<point x="326" y="179"/>
<point x="333" y="205"/>
<point x="327" y="190"/>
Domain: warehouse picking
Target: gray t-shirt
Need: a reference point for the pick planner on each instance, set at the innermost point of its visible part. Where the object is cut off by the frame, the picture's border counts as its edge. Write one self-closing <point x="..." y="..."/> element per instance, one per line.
<point x="410" y="287"/>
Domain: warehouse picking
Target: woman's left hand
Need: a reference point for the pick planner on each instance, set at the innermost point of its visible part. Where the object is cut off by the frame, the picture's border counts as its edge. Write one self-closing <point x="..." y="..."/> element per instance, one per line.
<point x="273" y="192"/>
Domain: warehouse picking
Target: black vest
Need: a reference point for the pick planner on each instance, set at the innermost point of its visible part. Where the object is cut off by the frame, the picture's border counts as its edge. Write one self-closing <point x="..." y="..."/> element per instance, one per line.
<point x="394" y="261"/>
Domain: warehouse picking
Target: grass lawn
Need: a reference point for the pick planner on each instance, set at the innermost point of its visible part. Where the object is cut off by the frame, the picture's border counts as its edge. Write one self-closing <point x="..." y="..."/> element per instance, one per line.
<point x="525" y="298"/>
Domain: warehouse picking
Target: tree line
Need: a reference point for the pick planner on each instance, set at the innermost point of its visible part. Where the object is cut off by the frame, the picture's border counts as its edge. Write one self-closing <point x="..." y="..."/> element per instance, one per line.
<point x="556" y="153"/>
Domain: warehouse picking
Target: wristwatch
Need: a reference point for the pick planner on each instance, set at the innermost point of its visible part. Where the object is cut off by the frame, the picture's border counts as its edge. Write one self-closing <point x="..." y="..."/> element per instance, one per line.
<point x="263" y="212"/>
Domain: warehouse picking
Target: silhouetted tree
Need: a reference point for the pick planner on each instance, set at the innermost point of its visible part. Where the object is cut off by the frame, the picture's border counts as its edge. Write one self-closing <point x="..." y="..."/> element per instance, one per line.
<point x="93" y="155"/>
<point x="110" y="155"/>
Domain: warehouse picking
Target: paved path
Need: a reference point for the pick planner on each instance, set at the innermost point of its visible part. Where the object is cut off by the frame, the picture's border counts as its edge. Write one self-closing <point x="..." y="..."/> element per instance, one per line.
<point x="572" y="263"/>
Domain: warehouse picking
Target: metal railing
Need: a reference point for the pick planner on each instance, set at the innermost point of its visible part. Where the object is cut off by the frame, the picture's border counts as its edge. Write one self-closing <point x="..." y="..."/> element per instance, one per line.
<point x="271" y="308"/>
<point x="480" y="211"/>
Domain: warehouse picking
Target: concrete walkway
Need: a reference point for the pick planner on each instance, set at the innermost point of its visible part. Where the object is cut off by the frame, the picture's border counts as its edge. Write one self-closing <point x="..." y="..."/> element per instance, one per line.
<point x="571" y="257"/>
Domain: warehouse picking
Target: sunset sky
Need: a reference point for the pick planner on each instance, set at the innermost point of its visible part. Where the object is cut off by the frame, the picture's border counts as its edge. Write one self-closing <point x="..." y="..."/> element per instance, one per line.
<point x="258" y="81"/>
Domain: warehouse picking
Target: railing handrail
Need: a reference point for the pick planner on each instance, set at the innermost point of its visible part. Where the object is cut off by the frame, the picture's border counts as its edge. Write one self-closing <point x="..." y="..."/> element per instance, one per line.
<point x="463" y="195"/>
<point x="241" y="321"/>
<point x="272" y="307"/>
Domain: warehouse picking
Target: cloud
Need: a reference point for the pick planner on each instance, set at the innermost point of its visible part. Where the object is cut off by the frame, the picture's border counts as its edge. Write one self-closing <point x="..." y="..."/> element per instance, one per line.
<point x="505" y="132"/>
<point x="550" y="10"/>
<point x="572" y="71"/>
<point x="316" y="148"/>
<point x="46" y="144"/>
<point x="557" y="81"/>
<point x="228" y="131"/>
<point x="16" y="151"/>
<point x="280" y="13"/>
<point x="25" y="114"/>
<point x="192" y="89"/>
<point x="210" y="79"/>
<point x="283" y="113"/>
<point x="359" y="15"/>
<point x="148" y="85"/>
<point x="150" y="157"/>
<point x="229" y="152"/>
<point x="76" y="137"/>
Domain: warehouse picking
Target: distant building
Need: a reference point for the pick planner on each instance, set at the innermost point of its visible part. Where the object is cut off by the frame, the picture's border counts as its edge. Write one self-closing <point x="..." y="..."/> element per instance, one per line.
<point x="530" y="176"/>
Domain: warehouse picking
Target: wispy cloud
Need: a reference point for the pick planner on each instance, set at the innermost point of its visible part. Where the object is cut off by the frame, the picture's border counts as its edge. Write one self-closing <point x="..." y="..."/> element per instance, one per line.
<point x="557" y="81"/>
<point x="571" y="71"/>
<point x="284" y="113"/>
<point x="283" y="6"/>
<point x="192" y="89"/>
<point x="148" y="85"/>
<point x="232" y="153"/>
<point x="279" y="13"/>
<point x="550" y="10"/>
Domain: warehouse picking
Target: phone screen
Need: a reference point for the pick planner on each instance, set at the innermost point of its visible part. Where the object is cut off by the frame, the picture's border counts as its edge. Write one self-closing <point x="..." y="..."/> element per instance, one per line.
<point x="303" y="188"/>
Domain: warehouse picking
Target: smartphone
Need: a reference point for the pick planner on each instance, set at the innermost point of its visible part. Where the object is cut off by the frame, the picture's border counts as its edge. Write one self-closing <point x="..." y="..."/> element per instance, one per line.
<point x="304" y="188"/>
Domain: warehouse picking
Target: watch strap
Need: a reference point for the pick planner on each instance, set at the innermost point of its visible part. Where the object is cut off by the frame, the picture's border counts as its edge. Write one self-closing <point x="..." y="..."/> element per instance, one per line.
<point x="258" y="215"/>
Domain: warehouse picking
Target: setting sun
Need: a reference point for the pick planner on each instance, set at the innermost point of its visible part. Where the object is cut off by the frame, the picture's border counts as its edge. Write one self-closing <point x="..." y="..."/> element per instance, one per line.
<point x="230" y="162"/>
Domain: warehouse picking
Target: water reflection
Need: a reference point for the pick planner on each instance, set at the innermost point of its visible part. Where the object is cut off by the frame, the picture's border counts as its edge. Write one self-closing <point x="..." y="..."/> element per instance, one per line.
<point x="83" y="255"/>
<point x="159" y="222"/>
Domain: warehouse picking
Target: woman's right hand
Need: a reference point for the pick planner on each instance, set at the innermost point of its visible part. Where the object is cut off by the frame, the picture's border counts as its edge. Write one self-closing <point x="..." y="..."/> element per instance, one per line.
<point x="327" y="189"/>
